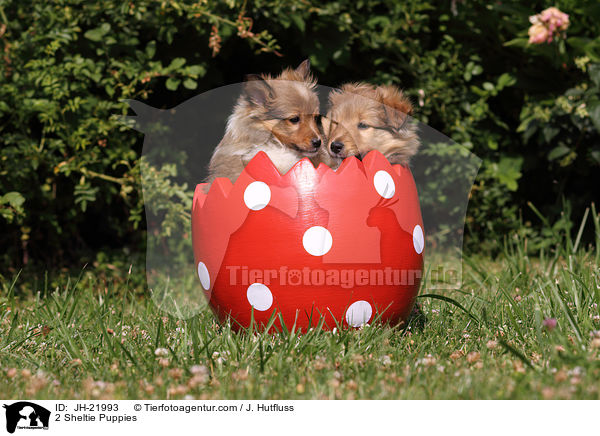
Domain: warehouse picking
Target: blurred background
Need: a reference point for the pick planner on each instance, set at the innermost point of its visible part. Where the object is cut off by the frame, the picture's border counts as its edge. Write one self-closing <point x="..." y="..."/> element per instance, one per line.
<point x="517" y="85"/>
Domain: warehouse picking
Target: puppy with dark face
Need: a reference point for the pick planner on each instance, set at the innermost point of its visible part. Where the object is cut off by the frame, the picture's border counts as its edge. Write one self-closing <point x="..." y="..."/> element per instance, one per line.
<point x="278" y="115"/>
<point x="363" y="117"/>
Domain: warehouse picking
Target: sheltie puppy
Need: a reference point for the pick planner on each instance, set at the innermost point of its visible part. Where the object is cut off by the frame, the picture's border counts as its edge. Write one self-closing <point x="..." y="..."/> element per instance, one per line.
<point x="363" y="117"/>
<point x="278" y="115"/>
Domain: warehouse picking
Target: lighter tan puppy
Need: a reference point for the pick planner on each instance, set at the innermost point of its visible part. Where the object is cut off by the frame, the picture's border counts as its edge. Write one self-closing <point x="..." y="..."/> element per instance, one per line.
<point x="363" y="117"/>
<point x="278" y="115"/>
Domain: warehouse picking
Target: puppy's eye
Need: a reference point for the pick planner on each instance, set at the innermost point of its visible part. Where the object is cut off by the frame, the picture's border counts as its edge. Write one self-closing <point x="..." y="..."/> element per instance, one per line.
<point x="362" y="126"/>
<point x="294" y="120"/>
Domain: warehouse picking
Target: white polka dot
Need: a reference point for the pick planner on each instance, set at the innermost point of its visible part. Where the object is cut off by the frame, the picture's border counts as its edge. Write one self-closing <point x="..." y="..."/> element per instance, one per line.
<point x="358" y="313"/>
<point x="317" y="241"/>
<point x="204" y="276"/>
<point x="418" y="239"/>
<point x="259" y="296"/>
<point x="257" y="195"/>
<point x="384" y="184"/>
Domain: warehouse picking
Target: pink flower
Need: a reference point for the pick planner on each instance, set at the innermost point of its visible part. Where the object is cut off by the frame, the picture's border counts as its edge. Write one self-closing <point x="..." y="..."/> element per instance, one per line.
<point x="550" y="323"/>
<point x="538" y="34"/>
<point x="547" y="25"/>
<point x="555" y="19"/>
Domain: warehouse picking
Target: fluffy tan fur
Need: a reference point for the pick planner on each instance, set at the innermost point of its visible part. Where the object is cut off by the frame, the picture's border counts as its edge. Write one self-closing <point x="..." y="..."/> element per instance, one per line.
<point x="362" y="117"/>
<point x="276" y="115"/>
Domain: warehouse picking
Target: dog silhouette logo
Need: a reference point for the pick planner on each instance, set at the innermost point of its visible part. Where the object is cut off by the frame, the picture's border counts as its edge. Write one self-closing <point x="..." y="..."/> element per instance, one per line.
<point x="26" y="415"/>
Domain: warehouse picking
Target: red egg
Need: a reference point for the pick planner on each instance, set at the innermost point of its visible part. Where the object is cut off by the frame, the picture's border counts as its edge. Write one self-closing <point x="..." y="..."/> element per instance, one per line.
<point x="344" y="246"/>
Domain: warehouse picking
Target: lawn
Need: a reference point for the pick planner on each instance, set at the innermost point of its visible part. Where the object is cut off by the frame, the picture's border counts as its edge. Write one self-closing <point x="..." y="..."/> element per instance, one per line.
<point x="521" y="327"/>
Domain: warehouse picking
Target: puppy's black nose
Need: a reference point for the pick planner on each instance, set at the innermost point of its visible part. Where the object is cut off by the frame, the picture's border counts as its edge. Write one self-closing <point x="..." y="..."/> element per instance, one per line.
<point x="337" y="146"/>
<point x="315" y="142"/>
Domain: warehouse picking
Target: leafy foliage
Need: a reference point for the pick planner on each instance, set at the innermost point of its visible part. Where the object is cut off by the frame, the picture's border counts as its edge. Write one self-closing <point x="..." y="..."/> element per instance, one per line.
<point x="531" y="112"/>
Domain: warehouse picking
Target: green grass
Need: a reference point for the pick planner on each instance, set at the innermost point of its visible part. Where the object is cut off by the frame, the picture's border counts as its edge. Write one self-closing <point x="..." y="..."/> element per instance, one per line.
<point x="493" y="338"/>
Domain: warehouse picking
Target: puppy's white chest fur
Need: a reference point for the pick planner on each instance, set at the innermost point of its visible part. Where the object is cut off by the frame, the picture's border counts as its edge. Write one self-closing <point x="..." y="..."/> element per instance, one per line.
<point x="283" y="158"/>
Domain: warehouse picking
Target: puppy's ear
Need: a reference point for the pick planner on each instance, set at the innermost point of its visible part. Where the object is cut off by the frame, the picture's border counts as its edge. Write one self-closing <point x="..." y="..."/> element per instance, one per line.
<point x="396" y="107"/>
<point x="304" y="70"/>
<point x="257" y="90"/>
<point x="325" y="126"/>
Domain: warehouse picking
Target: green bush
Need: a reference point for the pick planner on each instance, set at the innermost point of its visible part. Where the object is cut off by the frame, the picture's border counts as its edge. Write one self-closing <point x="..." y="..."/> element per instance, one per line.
<point x="71" y="167"/>
<point x="69" y="173"/>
